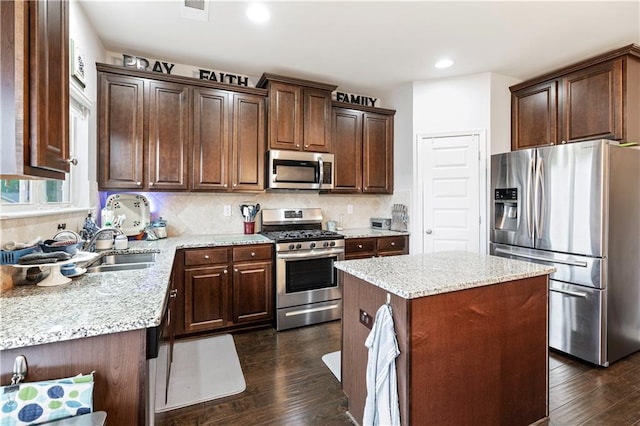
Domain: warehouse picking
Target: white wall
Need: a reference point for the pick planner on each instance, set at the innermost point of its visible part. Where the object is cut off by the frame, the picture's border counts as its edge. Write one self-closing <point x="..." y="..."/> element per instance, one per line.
<point x="500" y="110"/>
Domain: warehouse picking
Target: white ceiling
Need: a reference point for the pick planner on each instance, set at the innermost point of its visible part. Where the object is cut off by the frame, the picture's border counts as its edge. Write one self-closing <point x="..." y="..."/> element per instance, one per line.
<point x="370" y="47"/>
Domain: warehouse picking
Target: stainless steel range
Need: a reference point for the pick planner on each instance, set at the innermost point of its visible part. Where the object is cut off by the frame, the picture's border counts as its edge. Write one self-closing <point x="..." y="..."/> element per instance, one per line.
<point x="308" y="290"/>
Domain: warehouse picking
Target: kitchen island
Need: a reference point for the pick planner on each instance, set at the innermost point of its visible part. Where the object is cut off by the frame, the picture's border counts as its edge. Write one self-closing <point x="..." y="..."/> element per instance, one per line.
<point x="472" y="334"/>
<point x="98" y="322"/>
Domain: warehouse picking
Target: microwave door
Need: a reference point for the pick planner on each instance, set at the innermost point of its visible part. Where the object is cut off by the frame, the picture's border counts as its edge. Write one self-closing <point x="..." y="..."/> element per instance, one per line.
<point x="512" y="180"/>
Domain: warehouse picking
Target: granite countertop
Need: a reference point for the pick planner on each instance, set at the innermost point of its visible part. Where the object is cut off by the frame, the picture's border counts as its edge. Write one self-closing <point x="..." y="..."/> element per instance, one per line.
<point x="418" y="275"/>
<point x="100" y="303"/>
<point x="368" y="233"/>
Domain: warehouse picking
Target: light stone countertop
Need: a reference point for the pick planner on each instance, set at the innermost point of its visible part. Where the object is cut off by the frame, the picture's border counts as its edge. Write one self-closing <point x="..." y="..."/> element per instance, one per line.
<point x="417" y="275"/>
<point x="368" y="233"/>
<point x="100" y="303"/>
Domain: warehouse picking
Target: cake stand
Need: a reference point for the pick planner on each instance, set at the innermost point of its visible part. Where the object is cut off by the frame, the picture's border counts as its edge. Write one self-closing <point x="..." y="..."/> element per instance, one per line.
<point x="55" y="277"/>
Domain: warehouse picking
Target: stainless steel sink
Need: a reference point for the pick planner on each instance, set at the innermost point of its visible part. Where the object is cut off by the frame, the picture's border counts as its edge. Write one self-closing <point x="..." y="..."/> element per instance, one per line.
<point x="122" y="262"/>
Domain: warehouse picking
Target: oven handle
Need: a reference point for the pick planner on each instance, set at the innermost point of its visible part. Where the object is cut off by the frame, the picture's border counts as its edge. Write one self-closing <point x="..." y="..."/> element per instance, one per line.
<point x="306" y="255"/>
<point x="312" y="310"/>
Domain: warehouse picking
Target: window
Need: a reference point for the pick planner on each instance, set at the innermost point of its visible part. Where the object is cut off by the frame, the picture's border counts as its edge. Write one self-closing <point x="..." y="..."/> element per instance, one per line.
<point x="19" y="196"/>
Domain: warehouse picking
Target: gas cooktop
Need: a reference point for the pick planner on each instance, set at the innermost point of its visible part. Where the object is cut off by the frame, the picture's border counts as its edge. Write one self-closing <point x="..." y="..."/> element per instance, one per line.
<point x="302" y="235"/>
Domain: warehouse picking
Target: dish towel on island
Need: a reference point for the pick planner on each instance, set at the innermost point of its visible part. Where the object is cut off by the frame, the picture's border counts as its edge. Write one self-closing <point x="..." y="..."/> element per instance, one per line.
<point x="382" y="406"/>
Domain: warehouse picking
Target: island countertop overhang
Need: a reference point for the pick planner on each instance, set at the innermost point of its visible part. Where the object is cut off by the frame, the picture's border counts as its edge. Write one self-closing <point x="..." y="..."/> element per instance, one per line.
<point x="419" y="275"/>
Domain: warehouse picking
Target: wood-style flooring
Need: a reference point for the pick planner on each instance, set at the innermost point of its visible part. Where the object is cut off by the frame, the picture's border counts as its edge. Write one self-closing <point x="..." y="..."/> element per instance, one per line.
<point x="288" y="384"/>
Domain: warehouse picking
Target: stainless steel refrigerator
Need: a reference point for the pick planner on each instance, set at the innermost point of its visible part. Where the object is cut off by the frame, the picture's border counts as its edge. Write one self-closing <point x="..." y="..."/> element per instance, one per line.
<point x="576" y="207"/>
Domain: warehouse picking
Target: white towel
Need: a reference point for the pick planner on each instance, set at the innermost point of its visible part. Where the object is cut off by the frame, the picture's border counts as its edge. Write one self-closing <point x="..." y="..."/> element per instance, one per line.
<point x="382" y="406"/>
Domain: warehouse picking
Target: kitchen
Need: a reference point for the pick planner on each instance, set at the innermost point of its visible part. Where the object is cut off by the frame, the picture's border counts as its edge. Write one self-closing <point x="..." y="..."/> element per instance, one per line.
<point x="188" y="221"/>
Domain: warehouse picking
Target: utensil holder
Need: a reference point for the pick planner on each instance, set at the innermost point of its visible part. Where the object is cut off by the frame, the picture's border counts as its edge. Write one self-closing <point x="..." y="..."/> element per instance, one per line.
<point x="249" y="227"/>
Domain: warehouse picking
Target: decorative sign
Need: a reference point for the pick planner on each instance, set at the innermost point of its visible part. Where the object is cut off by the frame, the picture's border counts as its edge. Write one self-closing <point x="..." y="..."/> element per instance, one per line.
<point x="143" y="64"/>
<point x="351" y="98"/>
<point x="221" y="77"/>
<point x="78" y="62"/>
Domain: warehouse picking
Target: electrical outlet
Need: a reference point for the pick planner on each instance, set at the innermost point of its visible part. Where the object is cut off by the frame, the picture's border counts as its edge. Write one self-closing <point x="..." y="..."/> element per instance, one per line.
<point x="227" y="210"/>
<point x="349" y="208"/>
<point x="366" y="319"/>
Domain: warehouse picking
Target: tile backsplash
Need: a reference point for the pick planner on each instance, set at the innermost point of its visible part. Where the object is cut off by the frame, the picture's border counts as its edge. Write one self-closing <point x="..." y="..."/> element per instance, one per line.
<point x="203" y="213"/>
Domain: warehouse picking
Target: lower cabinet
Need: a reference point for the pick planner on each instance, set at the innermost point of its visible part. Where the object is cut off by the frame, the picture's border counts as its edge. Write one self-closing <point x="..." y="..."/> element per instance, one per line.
<point x="360" y="248"/>
<point x="224" y="288"/>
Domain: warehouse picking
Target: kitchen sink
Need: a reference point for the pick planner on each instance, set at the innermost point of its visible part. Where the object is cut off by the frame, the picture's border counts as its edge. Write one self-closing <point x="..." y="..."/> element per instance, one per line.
<point x="122" y="262"/>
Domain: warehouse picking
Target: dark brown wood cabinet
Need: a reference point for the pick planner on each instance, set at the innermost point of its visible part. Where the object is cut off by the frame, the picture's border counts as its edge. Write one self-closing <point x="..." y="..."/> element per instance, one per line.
<point x="171" y="133"/>
<point x="299" y="113"/>
<point x="224" y="288"/>
<point x="363" y="150"/>
<point x="596" y="98"/>
<point x="360" y="248"/>
<point x="169" y="143"/>
<point x="35" y="87"/>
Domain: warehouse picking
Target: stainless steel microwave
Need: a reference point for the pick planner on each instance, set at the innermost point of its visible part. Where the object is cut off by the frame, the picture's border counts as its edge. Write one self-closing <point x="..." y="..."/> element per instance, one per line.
<point x="299" y="170"/>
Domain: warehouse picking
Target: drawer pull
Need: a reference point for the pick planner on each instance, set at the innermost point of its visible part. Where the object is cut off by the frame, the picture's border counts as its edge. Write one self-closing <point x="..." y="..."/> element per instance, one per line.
<point x="253" y="254"/>
<point x="206" y="256"/>
<point x="393" y="243"/>
<point x="235" y="270"/>
<point x="225" y="271"/>
<point x="359" y="245"/>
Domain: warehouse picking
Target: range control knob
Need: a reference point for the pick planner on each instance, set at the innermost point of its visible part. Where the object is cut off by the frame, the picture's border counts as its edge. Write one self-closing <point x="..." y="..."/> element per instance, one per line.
<point x="332" y="243"/>
<point x="312" y="245"/>
<point x="298" y="246"/>
<point x="291" y="246"/>
<point x="325" y="244"/>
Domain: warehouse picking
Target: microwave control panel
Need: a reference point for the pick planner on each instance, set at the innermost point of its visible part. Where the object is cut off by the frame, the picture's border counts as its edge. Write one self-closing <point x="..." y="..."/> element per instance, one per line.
<point x="326" y="170"/>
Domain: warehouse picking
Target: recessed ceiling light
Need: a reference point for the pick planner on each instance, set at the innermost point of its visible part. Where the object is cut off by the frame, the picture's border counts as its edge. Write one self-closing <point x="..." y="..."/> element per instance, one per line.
<point x="444" y="63"/>
<point x="258" y="12"/>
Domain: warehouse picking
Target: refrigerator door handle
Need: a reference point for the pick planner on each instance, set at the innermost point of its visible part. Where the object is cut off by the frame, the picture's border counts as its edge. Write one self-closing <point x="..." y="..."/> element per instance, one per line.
<point x="542" y="258"/>
<point x="570" y="293"/>
<point x="528" y="197"/>
<point x="540" y="191"/>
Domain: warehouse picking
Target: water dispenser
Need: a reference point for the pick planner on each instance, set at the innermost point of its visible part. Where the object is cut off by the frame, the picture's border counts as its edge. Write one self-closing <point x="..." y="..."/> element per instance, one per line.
<point x="506" y="209"/>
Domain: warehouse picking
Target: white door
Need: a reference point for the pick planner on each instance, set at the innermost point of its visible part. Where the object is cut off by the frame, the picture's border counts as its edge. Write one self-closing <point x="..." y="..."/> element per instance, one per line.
<point x="450" y="184"/>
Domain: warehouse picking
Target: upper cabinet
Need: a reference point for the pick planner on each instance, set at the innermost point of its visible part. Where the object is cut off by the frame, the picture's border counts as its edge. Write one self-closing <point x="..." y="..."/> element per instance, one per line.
<point x="299" y="113"/>
<point x="160" y="132"/>
<point x="596" y="98"/>
<point x="363" y="149"/>
<point x="35" y="88"/>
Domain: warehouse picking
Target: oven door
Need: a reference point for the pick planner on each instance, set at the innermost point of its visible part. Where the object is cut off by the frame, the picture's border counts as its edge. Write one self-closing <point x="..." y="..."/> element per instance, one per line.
<point x="307" y="277"/>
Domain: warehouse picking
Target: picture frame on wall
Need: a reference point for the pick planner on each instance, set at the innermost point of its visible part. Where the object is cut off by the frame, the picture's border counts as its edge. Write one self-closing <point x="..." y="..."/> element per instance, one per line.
<point x="78" y="63"/>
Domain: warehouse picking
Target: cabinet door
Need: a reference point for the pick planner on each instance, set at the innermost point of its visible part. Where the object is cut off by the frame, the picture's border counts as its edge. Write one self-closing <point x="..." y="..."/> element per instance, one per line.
<point x="247" y="144"/>
<point x="592" y="103"/>
<point x="206" y="298"/>
<point x="168" y="135"/>
<point x="347" y="149"/>
<point x="285" y="116"/>
<point x="534" y="116"/>
<point x="211" y="122"/>
<point x="377" y="151"/>
<point x="120" y="132"/>
<point x="317" y="120"/>
<point x="49" y="84"/>
<point x="252" y="292"/>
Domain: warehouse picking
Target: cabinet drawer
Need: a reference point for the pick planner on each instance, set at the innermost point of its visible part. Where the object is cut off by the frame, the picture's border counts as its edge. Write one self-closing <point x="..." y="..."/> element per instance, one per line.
<point x="206" y="256"/>
<point x="360" y="246"/>
<point x="391" y="244"/>
<point x="252" y="252"/>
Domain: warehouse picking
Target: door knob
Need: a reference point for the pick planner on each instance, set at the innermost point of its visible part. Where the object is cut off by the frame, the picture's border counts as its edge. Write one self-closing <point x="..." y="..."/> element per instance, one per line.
<point x="428" y="231"/>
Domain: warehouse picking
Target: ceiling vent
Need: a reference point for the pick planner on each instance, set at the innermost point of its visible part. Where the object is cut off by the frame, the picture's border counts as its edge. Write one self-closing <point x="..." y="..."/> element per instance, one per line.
<point x="195" y="9"/>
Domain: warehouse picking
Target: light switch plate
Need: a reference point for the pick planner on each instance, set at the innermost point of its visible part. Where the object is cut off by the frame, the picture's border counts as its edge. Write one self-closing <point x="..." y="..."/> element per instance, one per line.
<point x="227" y="210"/>
<point x="349" y="208"/>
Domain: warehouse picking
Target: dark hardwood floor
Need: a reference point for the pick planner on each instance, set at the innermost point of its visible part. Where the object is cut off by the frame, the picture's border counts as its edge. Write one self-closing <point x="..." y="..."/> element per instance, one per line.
<point x="288" y="384"/>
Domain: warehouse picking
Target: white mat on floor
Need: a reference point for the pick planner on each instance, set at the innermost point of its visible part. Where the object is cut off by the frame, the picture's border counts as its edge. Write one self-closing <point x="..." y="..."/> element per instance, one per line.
<point x="202" y="370"/>
<point x="332" y="360"/>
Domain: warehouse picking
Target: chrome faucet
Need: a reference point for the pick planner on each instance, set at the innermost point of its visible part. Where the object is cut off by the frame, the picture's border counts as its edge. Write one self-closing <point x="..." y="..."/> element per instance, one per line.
<point x="90" y="245"/>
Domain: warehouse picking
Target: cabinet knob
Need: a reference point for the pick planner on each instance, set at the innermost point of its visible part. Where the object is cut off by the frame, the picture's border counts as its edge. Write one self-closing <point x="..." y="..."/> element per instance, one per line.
<point x="359" y="245"/>
<point x="235" y="270"/>
<point x="150" y="183"/>
<point x="306" y="146"/>
<point x="225" y="185"/>
<point x="173" y="293"/>
<point x="551" y="143"/>
<point x="139" y="183"/>
<point x="393" y="243"/>
<point x="206" y="256"/>
<point x="225" y="271"/>
<point x="564" y="142"/>
<point x="297" y="145"/>
<point x="235" y="184"/>
<point x="72" y="160"/>
<point x="253" y="254"/>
